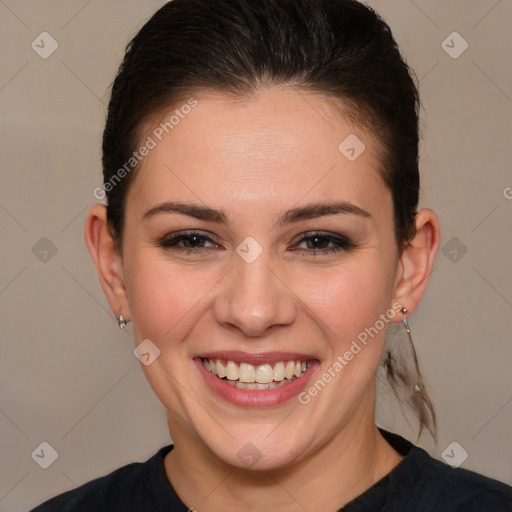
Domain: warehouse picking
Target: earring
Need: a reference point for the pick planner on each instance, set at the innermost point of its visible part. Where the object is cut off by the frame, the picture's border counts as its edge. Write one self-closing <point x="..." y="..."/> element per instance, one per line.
<point x="121" y="322"/>
<point x="418" y="387"/>
<point x="404" y="311"/>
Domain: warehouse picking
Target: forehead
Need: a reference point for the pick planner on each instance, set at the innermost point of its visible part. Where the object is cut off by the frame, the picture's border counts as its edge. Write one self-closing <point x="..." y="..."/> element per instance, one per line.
<point x="279" y="143"/>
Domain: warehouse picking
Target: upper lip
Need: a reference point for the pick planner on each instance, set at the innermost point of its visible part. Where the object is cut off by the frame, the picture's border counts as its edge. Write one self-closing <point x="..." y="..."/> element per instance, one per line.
<point x="255" y="359"/>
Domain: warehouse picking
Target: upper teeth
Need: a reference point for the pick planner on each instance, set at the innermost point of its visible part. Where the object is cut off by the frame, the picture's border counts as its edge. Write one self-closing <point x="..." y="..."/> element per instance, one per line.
<point x="261" y="374"/>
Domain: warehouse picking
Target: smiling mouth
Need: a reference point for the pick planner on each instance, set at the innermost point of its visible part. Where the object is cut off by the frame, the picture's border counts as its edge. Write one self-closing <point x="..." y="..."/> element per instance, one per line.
<point x="256" y="377"/>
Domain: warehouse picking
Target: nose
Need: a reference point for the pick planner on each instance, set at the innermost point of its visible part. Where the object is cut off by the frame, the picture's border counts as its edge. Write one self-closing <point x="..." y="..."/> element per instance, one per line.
<point x="254" y="299"/>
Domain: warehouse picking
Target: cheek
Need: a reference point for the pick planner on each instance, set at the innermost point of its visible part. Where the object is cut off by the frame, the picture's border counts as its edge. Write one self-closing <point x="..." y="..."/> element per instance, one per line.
<point x="167" y="301"/>
<point x="347" y="299"/>
<point x="163" y="298"/>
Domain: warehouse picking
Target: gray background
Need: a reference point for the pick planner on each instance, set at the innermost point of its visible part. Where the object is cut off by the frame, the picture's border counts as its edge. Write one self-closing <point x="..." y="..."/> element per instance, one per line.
<point x="67" y="373"/>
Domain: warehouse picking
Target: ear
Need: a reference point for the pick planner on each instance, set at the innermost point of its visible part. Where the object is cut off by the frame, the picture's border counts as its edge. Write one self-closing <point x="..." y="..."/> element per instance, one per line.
<point x="107" y="259"/>
<point x="416" y="261"/>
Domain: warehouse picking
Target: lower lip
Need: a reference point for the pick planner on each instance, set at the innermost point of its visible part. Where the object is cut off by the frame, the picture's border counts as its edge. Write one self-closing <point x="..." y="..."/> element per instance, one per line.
<point x="253" y="397"/>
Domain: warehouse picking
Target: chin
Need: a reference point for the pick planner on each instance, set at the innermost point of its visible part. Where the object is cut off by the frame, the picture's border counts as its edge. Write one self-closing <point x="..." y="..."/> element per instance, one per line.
<point x="261" y="449"/>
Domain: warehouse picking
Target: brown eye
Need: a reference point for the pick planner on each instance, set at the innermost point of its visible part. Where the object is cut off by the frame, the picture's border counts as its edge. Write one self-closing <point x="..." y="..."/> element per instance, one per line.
<point x="324" y="243"/>
<point x="188" y="241"/>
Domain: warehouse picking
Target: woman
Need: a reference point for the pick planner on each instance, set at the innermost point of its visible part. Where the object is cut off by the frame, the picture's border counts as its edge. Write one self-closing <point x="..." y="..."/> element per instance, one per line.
<point x="262" y="234"/>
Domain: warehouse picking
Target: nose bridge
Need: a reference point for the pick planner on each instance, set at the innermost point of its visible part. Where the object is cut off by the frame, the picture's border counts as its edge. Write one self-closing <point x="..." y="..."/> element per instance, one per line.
<point x="254" y="298"/>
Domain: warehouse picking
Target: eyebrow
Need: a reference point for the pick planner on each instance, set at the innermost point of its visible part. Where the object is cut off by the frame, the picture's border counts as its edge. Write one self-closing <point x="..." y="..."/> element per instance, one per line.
<point x="307" y="212"/>
<point x="317" y="210"/>
<point x="197" y="211"/>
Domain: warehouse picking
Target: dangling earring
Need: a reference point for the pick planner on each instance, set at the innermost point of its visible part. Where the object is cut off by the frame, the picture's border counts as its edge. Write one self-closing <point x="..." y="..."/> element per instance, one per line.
<point x="121" y="322"/>
<point x="418" y="387"/>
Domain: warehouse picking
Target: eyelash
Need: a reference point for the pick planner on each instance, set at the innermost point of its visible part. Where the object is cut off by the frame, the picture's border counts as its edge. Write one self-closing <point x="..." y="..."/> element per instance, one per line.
<point x="343" y="243"/>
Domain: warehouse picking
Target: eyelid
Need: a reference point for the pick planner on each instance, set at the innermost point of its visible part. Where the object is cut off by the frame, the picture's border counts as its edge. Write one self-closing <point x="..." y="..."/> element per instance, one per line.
<point x="326" y="234"/>
<point x="339" y="241"/>
<point x="176" y="237"/>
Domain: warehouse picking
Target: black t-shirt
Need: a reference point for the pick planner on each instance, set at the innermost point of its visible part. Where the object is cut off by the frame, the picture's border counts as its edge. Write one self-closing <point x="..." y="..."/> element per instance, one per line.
<point x="418" y="483"/>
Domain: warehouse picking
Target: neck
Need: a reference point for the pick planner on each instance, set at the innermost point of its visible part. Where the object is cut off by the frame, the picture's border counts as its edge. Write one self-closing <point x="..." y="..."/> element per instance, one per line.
<point x="355" y="459"/>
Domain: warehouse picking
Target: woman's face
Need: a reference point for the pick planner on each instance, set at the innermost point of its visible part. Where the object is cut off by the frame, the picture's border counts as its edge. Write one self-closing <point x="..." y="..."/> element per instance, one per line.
<point x="257" y="245"/>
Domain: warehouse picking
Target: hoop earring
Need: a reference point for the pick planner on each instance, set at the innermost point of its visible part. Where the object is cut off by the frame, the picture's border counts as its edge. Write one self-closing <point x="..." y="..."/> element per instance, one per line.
<point x="419" y="386"/>
<point x="121" y="322"/>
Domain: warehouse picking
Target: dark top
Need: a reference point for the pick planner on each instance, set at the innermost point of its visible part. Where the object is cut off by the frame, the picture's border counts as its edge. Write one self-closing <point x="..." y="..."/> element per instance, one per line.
<point x="418" y="483"/>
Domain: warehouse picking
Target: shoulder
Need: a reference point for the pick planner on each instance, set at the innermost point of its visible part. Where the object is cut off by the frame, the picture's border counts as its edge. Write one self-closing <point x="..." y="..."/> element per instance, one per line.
<point x="459" y="489"/>
<point x="123" y="489"/>
<point x="422" y="483"/>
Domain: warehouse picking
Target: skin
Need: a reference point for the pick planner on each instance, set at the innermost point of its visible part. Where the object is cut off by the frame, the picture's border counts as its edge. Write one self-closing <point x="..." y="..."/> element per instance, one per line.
<point x="255" y="158"/>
